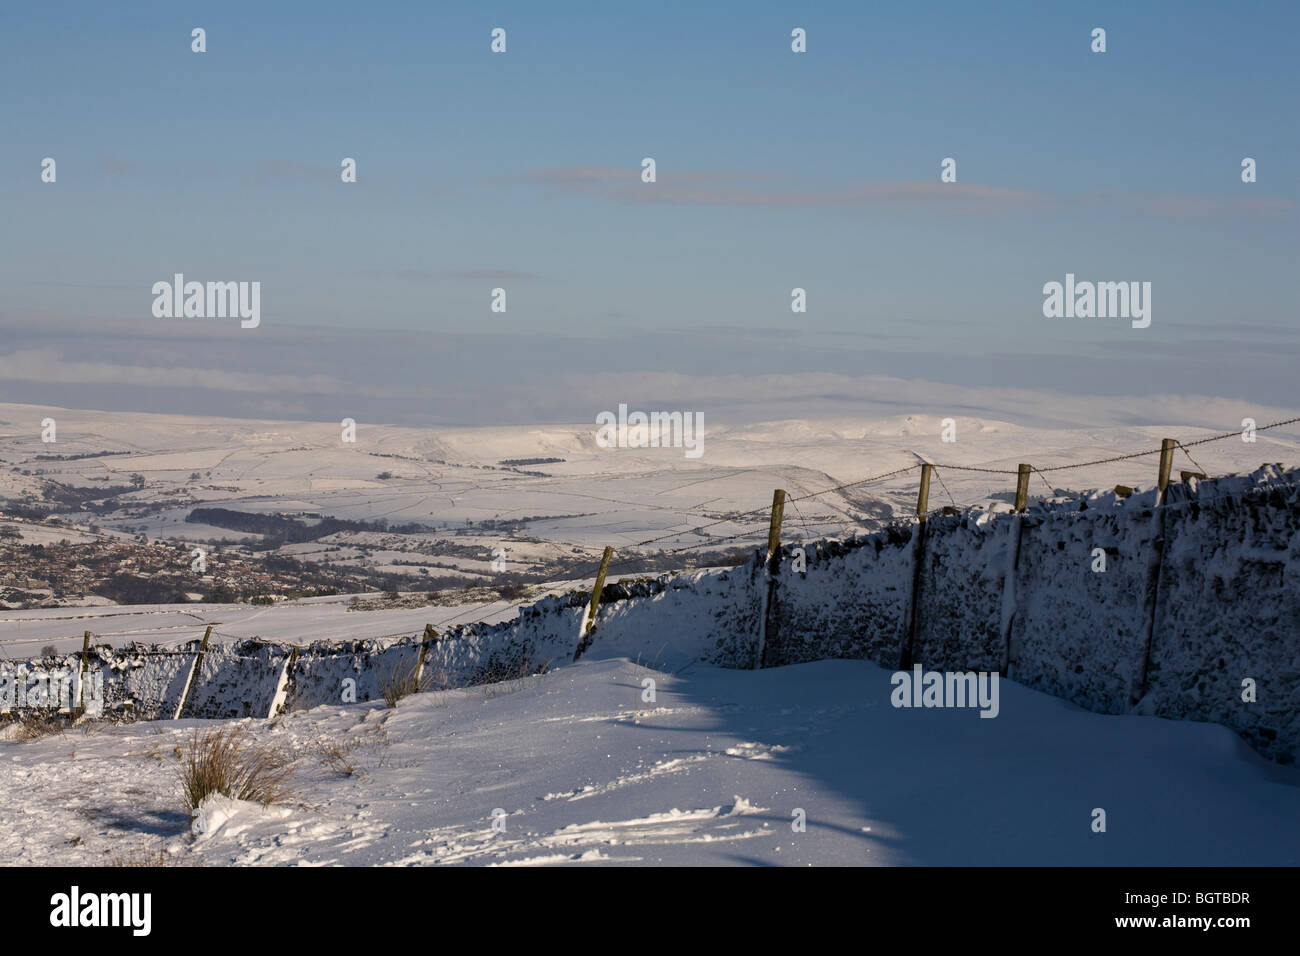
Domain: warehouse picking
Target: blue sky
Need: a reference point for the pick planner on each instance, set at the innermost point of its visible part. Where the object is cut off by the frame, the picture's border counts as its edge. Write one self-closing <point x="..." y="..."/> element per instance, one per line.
<point x="776" y="170"/>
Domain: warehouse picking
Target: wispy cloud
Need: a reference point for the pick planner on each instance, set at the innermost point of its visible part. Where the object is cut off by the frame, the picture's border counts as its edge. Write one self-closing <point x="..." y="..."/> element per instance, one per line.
<point x="736" y="188"/>
<point x="47" y="365"/>
<point x="589" y="175"/>
<point x="867" y="396"/>
<point x="86" y="285"/>
<point x="1183" y="206"/>
<point x="944" y="196"/>
<point x="289" y="171"/>
<point x="433" y="275"/>
<point x="1209" y="207"/>
<point x="114" y="165"/>
<point x="507" y="376"/>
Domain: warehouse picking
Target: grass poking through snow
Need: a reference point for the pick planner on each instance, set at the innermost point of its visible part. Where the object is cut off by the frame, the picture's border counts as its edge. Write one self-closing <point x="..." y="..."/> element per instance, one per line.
<point x="226" y="760"/>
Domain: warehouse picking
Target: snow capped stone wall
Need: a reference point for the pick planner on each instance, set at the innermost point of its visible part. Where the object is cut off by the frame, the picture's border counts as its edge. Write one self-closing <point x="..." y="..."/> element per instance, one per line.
<point x="852" y="601"/>
<point x="1198" y="605"/>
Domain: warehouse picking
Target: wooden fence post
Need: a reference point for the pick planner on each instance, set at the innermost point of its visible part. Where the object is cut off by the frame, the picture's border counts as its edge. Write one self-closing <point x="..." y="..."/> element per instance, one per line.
<point x="774" y="526"/>
<point x="918" y="560"/>
<point x="81" y="683"/>
<point x="194" y="670"/>
<point x="1013" y="563"/>
<point x="430" y="637"/>
<point x="284" y="685"/>
<point x="1152" y="592"/>
<point x="923" y="495"/>
<point x="1009" y="589"/>
<point x="1022" y="487"/>
<point x="1166" y="462"/>
<point x="589" y="621"/>
<point x="771" y="566"/>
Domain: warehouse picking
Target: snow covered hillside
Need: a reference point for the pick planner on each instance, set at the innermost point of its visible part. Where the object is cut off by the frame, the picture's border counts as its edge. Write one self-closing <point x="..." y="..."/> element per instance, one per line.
<point x="457" y="481"/>
<point x="577" y="767"/>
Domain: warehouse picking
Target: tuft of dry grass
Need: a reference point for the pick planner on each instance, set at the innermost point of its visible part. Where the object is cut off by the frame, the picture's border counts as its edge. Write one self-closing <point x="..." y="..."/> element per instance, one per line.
<point x="504" y="679"/>
<point x="340" y="755"/>
<point x="89" y="726"/>
<point x="401" y="681"/>
<point x="227" y="760"/>
<point x="33" y="724"/>
<point x="436" y="678"/>
<point x="336" y="756"/>
<point x="149" y="858"/>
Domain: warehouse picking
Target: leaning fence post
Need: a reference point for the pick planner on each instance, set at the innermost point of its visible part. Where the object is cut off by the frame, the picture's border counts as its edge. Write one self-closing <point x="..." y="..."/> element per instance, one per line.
<point x="194" y="670"/>
<point x="81" y="683"/>
<point x="1166" y="462"/>
<point x="284" y="685"/>
<point x="1022" y="486"/>
<point x="774" y="526"/>
<point x="770" y="566"/>
<point x="589" y="620"/>
<point x="430" y="637"/>
<point x="918" y="558"/>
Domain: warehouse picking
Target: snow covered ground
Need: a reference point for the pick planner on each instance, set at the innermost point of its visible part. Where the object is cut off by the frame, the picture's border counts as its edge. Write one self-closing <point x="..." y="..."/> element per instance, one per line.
<point x="445" y="477"/>
<point x="24" y="633"/>
<point x="581" y="770"/>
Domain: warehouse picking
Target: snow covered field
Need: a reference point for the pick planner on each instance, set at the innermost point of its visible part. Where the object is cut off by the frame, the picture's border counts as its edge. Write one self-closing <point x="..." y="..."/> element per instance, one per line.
<point x="596" y="496"/>
<point x="580" y="769"/>
<point x="24" y="633"/>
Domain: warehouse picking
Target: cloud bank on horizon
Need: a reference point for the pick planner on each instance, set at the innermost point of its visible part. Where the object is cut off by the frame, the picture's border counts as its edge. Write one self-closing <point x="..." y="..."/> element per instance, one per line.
<point x="920" y="173"/>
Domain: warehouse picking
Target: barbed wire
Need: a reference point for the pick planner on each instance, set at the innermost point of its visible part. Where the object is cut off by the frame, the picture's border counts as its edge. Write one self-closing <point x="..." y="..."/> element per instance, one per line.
<point x="711" y="541"/>
<point x="943" y="486"/>
<point x="899" y="471"/>
<point x="854" y="484"/>
<point x="1202" y="441"/>
<point x="1115" y="458"/>
<point x="1192" y="460"/>
<point x="802" y="520"/>
<point x="1050" y="489"/>
<point x="763" y="510"/>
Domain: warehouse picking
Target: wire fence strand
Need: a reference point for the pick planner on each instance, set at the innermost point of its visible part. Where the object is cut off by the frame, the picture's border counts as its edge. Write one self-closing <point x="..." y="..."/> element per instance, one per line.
<point x="1127" y="457"/>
